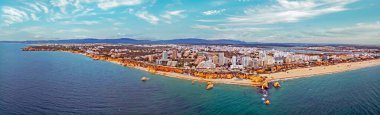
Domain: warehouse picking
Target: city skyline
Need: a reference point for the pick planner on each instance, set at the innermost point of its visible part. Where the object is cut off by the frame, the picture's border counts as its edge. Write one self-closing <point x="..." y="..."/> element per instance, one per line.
<point x="279" y="21"/>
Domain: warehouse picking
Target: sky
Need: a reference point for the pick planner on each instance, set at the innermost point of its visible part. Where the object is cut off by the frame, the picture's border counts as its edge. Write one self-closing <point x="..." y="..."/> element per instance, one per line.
<point x="275" y="21"/>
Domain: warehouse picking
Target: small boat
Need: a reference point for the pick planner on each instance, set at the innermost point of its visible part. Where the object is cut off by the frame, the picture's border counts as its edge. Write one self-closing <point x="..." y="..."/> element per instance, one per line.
<point x="144" y="79"/>
<point x="276" y="84"/>
<point x="266" y="102"/>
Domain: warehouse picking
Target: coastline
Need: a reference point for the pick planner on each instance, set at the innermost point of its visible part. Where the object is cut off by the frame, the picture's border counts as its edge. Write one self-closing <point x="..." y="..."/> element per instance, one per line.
<point x="279" y="76"/>
<point x="242" y="82"/>
<point x="322" y="70"/>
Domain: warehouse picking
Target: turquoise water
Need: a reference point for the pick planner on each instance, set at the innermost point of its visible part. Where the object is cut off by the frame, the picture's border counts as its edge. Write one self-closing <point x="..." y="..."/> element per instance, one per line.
<point x="65" y="83"/>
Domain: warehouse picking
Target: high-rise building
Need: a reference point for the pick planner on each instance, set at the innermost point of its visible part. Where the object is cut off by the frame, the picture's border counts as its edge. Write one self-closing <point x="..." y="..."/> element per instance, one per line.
<point x="186" y="53"/>
<point x="215" y="59"/>
<point x="150" y="58"/>
<point x="206" y="65"/>
<point x="164" y="55"/>
<point x="233" y="60"/>
<point x="200" y="59"/>
<point x="245" y="61"/>
<point x="221" y="59"/>
<point x="262" y="54"/>
<point x="234" y="63"/>
<point x="174" y="54"/>
<point x="269" y="60"/>
<point x="255" y="63"/>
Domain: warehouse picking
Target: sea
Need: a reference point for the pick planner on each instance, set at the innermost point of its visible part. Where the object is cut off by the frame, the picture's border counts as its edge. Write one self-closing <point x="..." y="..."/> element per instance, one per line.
<point x="66" y="83"/>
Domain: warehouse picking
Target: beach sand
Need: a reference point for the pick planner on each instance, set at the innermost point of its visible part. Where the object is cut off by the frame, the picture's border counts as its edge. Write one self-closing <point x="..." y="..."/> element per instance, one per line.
<point x="290" y="74"/>
<point x="242" y="82"/>
<point x="320" y="70"/>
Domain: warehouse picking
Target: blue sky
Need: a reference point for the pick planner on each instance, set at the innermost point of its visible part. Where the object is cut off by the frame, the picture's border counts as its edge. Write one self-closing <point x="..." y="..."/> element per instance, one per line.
<point x="310" y="21"/>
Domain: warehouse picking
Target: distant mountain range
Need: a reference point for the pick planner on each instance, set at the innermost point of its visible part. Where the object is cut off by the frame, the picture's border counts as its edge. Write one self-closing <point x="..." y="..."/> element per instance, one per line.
<point x="194" y="41"/>
<point x="134" y="41"/>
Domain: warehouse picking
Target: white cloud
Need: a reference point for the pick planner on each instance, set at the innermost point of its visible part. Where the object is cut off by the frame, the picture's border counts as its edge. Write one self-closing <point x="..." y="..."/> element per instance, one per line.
<point x="75" y="30"/>
<point x="288" y="11"/>
<point x="358" y="27"/>
<point x="360" y="33"/>
<point x="244" y="0"/>
<point x="210" y="20"/>
<point x="107" y="4"/>
<point x="170" y="14"/>
<point x="213" y="12"/>
<point x="226" y="29"/>
<point x="43" y="7"/>
<point x="218" y="3"/>
<point x="81" y="22"/>
<point x="12" y="15"/>
<point x="148" y="17"/>
<point x="35" y="7"/>
<point x="117" y="24"/>
<point x="61" y="4"/>
<point x="34" y="17"/>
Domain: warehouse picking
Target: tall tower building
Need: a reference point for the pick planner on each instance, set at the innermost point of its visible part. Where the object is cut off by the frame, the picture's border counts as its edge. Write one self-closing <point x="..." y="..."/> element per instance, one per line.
<point x="233" y="60"/>
<point x="164" y="55"/>
<point x="150" y="58"/>
<point x="174" y="54"/>
<point x="245" y="61"/>
<point x="215" y="59"/>
<point x="221" y="59"/>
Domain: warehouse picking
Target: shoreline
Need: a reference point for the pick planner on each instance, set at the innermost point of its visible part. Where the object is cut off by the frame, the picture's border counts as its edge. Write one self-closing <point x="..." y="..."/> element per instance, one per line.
<point x="278" y="76"/>
<point x="242" y="82"/>
<point x="322" y="70"/>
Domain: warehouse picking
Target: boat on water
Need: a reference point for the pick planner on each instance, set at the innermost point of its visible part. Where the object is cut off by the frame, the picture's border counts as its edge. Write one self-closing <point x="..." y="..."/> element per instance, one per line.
<point x="144" y="79"/>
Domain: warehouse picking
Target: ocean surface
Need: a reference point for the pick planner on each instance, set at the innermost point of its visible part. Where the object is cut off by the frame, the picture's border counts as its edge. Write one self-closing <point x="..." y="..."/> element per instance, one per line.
<point x="65" y="83"/>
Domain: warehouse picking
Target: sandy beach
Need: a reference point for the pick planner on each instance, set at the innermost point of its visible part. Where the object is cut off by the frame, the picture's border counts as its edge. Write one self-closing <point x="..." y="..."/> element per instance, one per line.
<point x="242" y="82"/>
<point x="290" y="74"/>
<point x="320" y="70"/>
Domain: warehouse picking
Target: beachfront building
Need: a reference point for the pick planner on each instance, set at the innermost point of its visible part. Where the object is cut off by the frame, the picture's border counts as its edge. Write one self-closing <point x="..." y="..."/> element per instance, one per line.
<point x="174" y="54"/>
<point x="150" y="58"/>
<point x="221" y="59"/>
<point x="233" y="60"/>
<point x="164" y="55"/>
<point x="245" y="61"/>
<point x="172" y="63"/>
<point x="234" y="64"/>
<point x="215" y="59"/>
<point x="200" y="59"/>
<point x="279" y="60"/>
<point x="255" y="63"/>
<point x="164" y="59"/>
<point x="206" y="65"/>
<point x="269" y="60"/>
